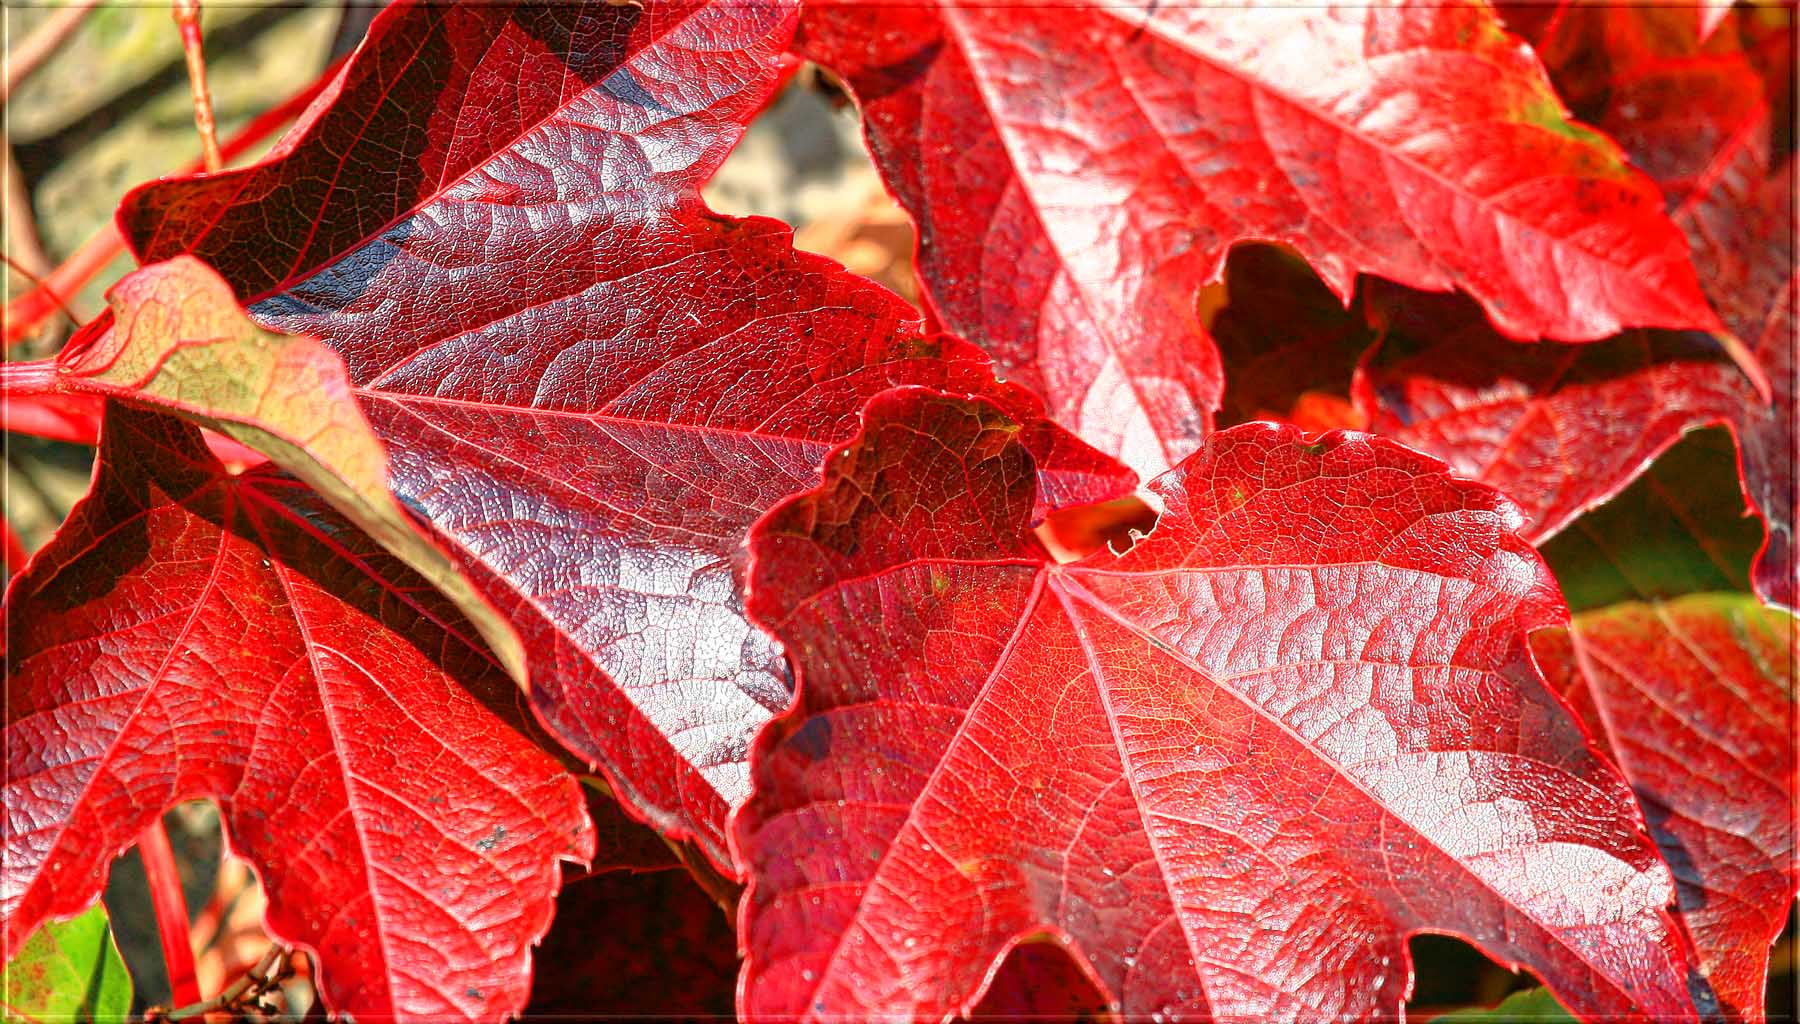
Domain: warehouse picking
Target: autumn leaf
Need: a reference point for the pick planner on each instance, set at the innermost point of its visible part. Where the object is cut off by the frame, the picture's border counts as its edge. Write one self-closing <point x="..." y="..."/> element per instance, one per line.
<point x="1234" y="768"/>
<point x="1743" y="243"/>
<point x="1562" y="433"/>
<point x="1695" y="699"/>
<point x="194" y="634"/>
<point x="180" y="343"/>
<point x="1559" y="428"/>
<point x="1077" y="171"/>
<point x="586" y="382"/>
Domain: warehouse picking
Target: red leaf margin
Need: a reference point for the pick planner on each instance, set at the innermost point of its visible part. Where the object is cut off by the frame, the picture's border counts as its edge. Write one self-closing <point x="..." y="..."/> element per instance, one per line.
<point x="112" y="718"/>
<point x="593" y="421"/>
<point x="890" y="816"/>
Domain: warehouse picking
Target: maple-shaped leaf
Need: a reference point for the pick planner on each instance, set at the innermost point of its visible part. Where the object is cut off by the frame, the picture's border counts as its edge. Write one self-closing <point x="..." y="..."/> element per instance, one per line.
<point x="1234" y="767"/>
<point x="1695" y="699"/>
<point x="588" y="383"/>
<point x="1559" y="428"/>
<point x="1743" y="236"/>
<point x="195" y="634"/>
<point x="1078" y="170"/>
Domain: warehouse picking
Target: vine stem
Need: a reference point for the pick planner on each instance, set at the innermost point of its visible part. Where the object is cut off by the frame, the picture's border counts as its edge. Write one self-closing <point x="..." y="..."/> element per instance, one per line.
<point x="187" y="17"/>
<point x="171" y="911"/>
<point x="36" y="377"/>
<point x="24" y="313"/>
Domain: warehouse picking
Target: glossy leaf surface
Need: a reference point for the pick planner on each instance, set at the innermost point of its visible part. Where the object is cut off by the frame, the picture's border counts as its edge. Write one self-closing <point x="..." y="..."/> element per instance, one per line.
<point x="1695" y="699"/>
<point x="68" y="971"/>
<point x="1710" y="117"/>
<point x="589" y="384"/>
<point x="181" y="343"/>
<point x="1234" y="767"/>
<point x="1079" y="170"/>
<point x="192" y="634"/>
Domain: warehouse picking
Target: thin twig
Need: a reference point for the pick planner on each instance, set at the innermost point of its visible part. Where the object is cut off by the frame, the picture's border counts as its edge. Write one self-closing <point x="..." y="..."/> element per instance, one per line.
<point x="187" y="17"/>
<point x="241" y="994"/>
<point x="39" y="284"/>
<point x="171" y="911"/>
<point x="24" y="59"/>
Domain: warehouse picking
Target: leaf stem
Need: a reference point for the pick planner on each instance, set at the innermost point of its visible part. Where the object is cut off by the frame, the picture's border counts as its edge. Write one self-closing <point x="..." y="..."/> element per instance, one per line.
<point x="171" y="911"/>
<point x="187" y="17"/>
<point x="36" y="377"/>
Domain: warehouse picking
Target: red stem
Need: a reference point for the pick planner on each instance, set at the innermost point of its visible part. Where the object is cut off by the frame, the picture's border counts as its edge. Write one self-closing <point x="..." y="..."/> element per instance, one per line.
<point x="24" y="313"/>
<point x="37" y="377"/>
<point x="187" y="16"/>
<point x="171" y="912"/>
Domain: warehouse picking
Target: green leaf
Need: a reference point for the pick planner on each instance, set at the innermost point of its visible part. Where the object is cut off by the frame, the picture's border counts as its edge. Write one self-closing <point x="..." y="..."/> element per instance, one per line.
<point x="1531" y="1005"/>
<point x="68" y="971"/>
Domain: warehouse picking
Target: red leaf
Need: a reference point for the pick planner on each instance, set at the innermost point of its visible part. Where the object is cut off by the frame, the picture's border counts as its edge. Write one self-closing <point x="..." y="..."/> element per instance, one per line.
<point x="1696" y="700"/>
<point x="192" y="634"/>
<point x="1234" y="767"/>
<point x="1674" y="97"/>
<point x="1558" y="428"/>
<point x="1078" y="171"/>
<point x="589" y="384"/>
<point x="1562" y="431"/>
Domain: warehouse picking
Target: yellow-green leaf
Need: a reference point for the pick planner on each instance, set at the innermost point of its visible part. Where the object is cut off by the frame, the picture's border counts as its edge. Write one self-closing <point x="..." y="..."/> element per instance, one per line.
<point x="181" y="343"/>
<point x="68" y="971"/>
